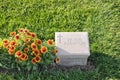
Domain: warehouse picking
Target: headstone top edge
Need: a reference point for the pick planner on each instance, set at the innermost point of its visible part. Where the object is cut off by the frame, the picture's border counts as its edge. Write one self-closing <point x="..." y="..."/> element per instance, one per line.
<point x="74" y="55"/>
<point x="71" y="32"/>
<point x="77" y="54"/>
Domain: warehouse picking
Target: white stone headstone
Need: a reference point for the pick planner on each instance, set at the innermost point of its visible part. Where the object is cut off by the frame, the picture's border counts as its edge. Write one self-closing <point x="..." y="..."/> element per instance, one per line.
<point x="73" y="48"/>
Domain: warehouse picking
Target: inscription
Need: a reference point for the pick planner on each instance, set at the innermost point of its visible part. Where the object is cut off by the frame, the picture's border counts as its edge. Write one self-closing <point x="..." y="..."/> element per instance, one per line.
<point x="70" y="41"/>
<point x="59" y="38"/>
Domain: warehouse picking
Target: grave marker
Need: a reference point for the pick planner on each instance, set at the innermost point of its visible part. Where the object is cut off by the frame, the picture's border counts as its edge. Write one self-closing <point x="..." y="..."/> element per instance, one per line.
<point x="73" y="47"/>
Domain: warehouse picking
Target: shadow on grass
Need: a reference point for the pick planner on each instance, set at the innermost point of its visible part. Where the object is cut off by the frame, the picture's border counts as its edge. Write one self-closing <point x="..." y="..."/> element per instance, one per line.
<point x="107" y="66"/>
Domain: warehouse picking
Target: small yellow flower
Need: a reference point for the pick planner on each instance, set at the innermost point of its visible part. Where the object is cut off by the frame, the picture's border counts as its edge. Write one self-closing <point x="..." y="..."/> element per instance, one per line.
<point x="32" y="52"/>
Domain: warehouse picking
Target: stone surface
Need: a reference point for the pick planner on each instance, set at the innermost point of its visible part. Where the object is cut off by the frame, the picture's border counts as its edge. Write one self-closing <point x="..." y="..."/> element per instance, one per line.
<point x="73" y="47"/>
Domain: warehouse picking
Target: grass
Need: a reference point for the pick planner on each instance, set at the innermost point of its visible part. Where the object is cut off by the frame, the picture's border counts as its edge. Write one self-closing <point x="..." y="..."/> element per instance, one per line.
<point x="100" y="18"/>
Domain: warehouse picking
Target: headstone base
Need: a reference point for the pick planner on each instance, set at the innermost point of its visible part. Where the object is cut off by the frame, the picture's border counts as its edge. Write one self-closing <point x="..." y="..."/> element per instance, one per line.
<point x="73" y="60"/>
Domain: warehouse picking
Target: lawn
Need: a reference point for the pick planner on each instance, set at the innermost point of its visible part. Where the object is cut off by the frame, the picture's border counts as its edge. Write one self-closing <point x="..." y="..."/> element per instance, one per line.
<point x="100" y="18"/>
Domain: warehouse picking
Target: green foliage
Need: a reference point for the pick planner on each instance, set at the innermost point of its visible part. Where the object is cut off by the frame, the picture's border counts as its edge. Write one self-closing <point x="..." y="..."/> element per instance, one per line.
<point x="6" y="77"/>
<point x="25" y="51"/>
<point x="100" y="18"/>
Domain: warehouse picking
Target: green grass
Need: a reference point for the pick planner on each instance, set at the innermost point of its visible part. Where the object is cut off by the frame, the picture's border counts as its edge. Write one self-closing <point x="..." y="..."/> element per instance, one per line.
<point x="100" y="18"/>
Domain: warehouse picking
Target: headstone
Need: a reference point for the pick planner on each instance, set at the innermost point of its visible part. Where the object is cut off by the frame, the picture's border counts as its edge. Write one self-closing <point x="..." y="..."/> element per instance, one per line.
<point x="73" y="48"/>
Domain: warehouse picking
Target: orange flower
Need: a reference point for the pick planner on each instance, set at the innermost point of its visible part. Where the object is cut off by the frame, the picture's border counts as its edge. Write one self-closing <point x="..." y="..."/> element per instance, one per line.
<point x="11" y="51"/>
<point x="44" y="49"/>
<point x="33" y="35"/>
<point x="12" y="43"/>
<point x="50" y="42"/>
<point x="55" y="51"/>
<point x="36" y="52"/>
<point x="26" y="30"/>
<point x="5" y="41"/>
<point x="26" y="40"/>
<point x="21" y="30"/>
<point x="40" y="50"/>
<point x="57" y="60"/>
<point x="33" y="61"/>
<point x="12" y="47"/>
<point x="18" y="54"/>
<point x="17" y="37"/>
<point x="26" y="49"/>
<point x="37" y="59"/>
<point x="33" y="46"/>
<point x="5" y="45"/>
<point x="12" y="33"/>
<point x="26" y="57"/>
<point x="39" y="42"/>
<point x="22" y="57"/>
<point x="25" y="44"/>
<point x="28" y="33"/>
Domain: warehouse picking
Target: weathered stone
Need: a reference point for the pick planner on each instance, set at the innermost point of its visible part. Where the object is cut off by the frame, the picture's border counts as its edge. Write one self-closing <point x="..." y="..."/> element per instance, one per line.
<point x="73" y="47"/>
